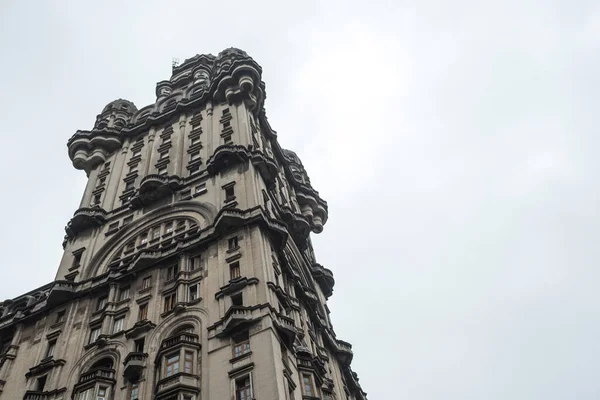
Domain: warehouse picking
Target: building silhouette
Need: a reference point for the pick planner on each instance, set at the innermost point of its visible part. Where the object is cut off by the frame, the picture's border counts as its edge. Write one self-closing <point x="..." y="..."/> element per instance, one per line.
<point x="188" y="271"/>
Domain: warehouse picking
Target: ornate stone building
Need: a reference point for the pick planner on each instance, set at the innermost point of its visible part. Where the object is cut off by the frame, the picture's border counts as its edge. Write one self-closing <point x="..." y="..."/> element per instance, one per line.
<point x="188" y="271"/>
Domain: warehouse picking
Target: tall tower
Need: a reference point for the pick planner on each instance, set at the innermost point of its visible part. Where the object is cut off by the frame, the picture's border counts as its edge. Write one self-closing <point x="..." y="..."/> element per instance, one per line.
<point x="188" y="271"/>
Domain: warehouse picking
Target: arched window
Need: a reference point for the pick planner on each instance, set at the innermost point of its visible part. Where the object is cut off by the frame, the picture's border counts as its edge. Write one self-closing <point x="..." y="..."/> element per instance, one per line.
<point x="97" y="382"/>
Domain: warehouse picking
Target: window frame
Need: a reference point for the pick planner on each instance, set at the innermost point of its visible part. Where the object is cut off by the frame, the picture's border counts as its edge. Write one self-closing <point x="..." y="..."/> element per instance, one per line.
<point x="118" y="325"/>
<point x="170" y="364"/>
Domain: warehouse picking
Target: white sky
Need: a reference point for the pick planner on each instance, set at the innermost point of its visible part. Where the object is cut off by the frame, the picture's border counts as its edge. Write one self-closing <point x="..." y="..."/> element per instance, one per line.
<point x="454" y="141"/>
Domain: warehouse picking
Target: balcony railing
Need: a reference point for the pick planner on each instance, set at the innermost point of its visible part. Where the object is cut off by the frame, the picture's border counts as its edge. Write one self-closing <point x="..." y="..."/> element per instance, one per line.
<point x="100" y="373"/>
<point x="134" y="364"/>
<point x="35" y="395"/>
<point x="178" y="339"/>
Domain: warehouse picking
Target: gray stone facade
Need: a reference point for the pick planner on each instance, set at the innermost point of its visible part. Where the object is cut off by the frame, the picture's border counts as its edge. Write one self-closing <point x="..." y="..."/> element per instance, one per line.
<point x="188" y="271"/>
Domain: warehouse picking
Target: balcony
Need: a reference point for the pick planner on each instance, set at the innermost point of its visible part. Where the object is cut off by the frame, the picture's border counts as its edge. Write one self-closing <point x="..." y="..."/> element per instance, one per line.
<point x="60" y="292"/>
<point x="324" y="277"/>
<point x="98" y="374"/>
<point x="50" y="395"/>
<point x="154" y="187"/>
<point x="84" y="218"/>
<point x="344" y="350"/>
<point x="266" y="167"/>
<point x="167" y="386"/>
<point x="134" y="364"/>
<point x="181" y="338"/>
<point x="236" y="316"/>
<point x="286" y="326"/>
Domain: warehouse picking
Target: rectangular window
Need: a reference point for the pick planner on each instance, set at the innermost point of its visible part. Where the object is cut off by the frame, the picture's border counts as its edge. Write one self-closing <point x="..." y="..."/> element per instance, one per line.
<point x="243" y="390"/>
<point x="118" y="325"/>
<point x="193" y="292"/>
<point x="87" y="394"/>
<point x="172" y="272"/>
<point x="167" y="139"/>
<point x="226" y="124"/>
<point x="164" y="155"/>
<point x="129" y="186"/>
<point x="94" y="334"/>
<point x="146" y="282"/>
<point x="102" y="393"/>
<point x="77" y="260"/>
<point x="155" y="233"/>
<point x="234" y="270"/>
<point x="101" y="182"/>
<point x="172" y="365"/>
<point x="307" y="385"/>
<point x="241" y="344"/>
<point x="143" y="313"/>
<point x="195" y="155"/>
<point x="106" y="165"/>
<point x="232" y="243"/>
<point x="113" y="226"/>
<point x="51" y="346"/>
<point x="201" y="188"/>
<point x="133" y="168"/>
<point x="195" y="263"/>
<point x="163" y="171"/>
<point x="137" y="152"/>
<point x="144" y="238"/>
<point x="188" y="364"/>
<point x="101" y="303"/>
<point x="60" y="317"/>
<point x="96" y="201"/>
<point x="194" y="141"/>
<point x="237" y="299"/>
<point x="168" y="228"/>
<point x="225" y="111"/>
<point x="229" y="193"/>
<point x="128" y="220"/>
<point x="194" y="170"/>
<point x="227" y="139"/>
<point x="134" y="391"/>
<point x="124" y="293"/>
<point x="41" y="383"/>
<point x="170" y="301"/>
<point x="139" y="345"/>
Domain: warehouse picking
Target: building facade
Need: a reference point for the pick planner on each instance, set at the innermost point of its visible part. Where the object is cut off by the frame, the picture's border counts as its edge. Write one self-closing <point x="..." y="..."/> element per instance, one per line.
<point x="188" y="271"/>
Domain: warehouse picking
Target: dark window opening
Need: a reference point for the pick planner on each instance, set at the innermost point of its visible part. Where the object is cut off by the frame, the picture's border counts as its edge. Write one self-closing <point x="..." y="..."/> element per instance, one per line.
<point x="139" y="345"/>
<point x="237" y="299"/>
<point x="41" y="383"/>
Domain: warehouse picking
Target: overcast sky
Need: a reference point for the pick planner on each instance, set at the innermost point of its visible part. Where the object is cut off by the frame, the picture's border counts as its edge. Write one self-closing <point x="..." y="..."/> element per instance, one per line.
<point x="455" y="142"/>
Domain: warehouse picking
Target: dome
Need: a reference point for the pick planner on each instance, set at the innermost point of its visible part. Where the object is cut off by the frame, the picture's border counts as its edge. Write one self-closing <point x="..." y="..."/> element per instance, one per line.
<point x="120" y="104"/>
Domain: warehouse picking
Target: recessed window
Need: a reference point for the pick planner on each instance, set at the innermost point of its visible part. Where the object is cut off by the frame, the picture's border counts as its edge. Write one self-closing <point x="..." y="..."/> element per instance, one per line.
<point x="60" y="317"/>
<point x="194" y="170"/>
<point x="101" y="303"/>
<point x="133" y="168"/>
<point x="195" y="156"/>
<point x="95" y="332"/>
<point x="76" y="259"/>
<point x="144" y="238"/>
<point x="164" y="155"/>
<point x="113" y="226"/>
<point x="128" y="220"/>
<point x="143" y="313"/>
<point x="163" y="171"/>
<point x="129" y="186"/>
<point x="241" y="344"/>
<point x="172" y="365"/>
<point x="106" y="165"/>
<point x="172" y="272"/>
<point x="201" y="188"/>
<point x="118" y="325"/>
<point x="96" y="200"/>
<point x="102" y="391"/>
<point x="226" y="111"/>
<point x="180" y="224"/>
<point x="307" y="385"/>
<point x="101" y="181"/>
<point x="243" y="389"/>
<point x="124" y="293"/>
<point x="195" y="263"/>
<point x="51" y="347"/>
<point x="193" y="292"/>
<point x="237" y="299"/>
<point x="146" y="282"/>
<point x="226" y="124"/>
<point x="194" y="141"/>
<point x="167" y="139"/>
<point x="41" y="383"/>
<point x="227" y="139"/>
<point x="170" y="301"/>
<point x="137" y="152"/>
<point x="234" y="270"/>
<point x="188" y="362"/>
<point x="232" y="243"/>
<point x="229" y="193"/>
<point x="88" y="394"/>
<point x="134" y="391"/>
<point x="139" y="345"/>
<point x="169" y="227"/>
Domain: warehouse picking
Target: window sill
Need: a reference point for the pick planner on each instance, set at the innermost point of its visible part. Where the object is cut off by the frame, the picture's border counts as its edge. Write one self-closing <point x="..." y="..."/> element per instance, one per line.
<point x="241" y="357"/>
<point x="232" y="250"/>
<point x="144" y="290"/>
